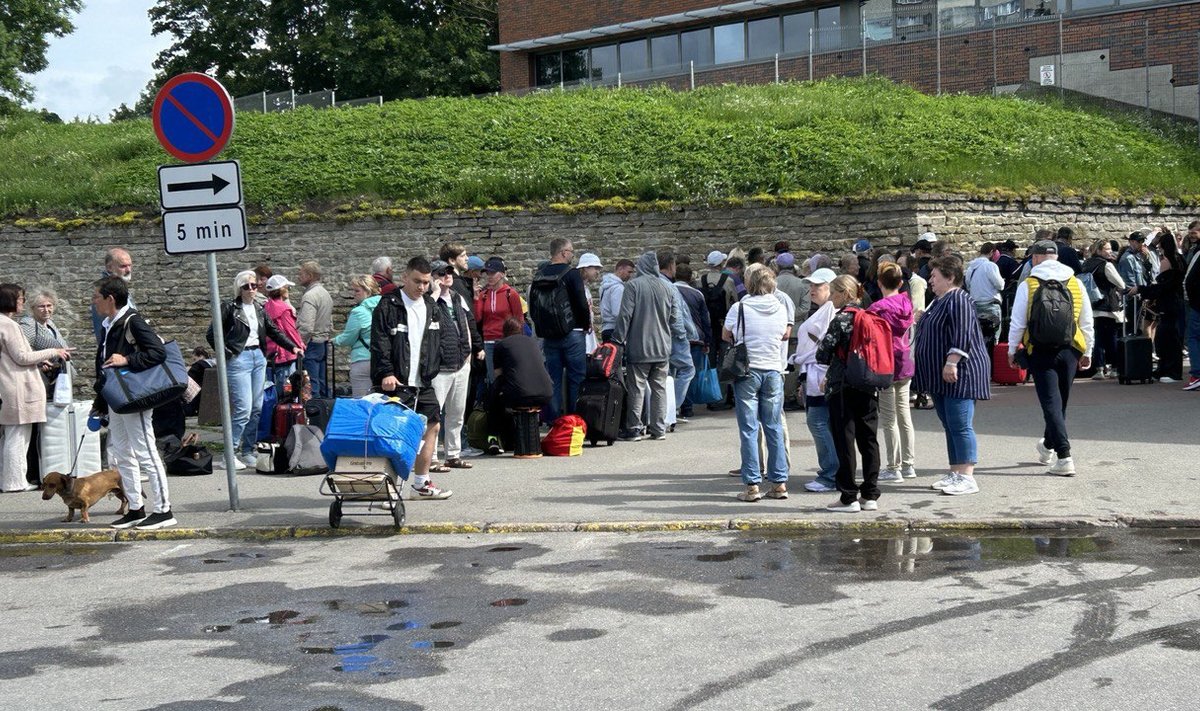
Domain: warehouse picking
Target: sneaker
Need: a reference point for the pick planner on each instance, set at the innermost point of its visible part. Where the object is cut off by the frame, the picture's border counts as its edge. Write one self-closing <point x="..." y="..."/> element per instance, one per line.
<point x="682" y="419"/>
<point x="658" y="437"/>
<point x="961" y="485"/>
<point x="890" y="475"/>
<point x="943" y="482"/>
<point x="130" y="519"/>
<point x="1064" y="467"/>
<point x="909" y="472"/>
<point x="470" y="452"/>
<point x="1192" y="384"/>
<point x="249" y="461"/>
<point x="1166" y="379"/>
<point x="819" y="487"/>
<point x="1045" y="454"/>
<point x="750" y="494"/>
<point x="839" y="507"/>
<point x="1110" y="372"/>
<point x="157" y="520"/>
<point x="1099" y="376"/>
<point x="868" y="504"/>
<point x="630" y="437"/>
<point x="778" y="491"/>
<point x="430" y="492"/>
<point x="494" y="447"/>
<point x="735" y="472"/>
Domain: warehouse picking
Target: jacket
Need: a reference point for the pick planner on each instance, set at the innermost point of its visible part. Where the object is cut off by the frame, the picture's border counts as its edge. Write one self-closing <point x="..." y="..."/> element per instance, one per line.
<point x="611" y="291"/>
<point x="808" y="337"/>
<point x="897" y="310"/>
<point x="459" y="339"/>
<point x="829" y="351"/>
<point x="1110" y="283"/>
<point x="1068" y="257"/>
<point x="133" y="338"/>
<point x="950" y="326"/>
<point x="796" y="288"/>
<point x="682" y="328"/>
<point x="1085" y="335"/>
<point x="495" y="306"/>
<point x="581" y="311"/>
<point x="694" y="299"/>
<point x="1134" y="268"/>
<point x="1191" y="282"/>
<point x="284" y="316"/>
<point x="644" y="323"/>
<point x="315" y="317"/>
<point x="22" y="391"/>
<point x="357" y="333"/>
<point x="237" y="329"/>
<point x="386" y="285"/>
<point x="983" y="281"/>
<point x="389" y="340"/>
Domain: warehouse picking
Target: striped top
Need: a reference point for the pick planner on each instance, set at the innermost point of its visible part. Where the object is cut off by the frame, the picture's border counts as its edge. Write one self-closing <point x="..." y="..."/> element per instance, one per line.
<point x="950" y="326"/>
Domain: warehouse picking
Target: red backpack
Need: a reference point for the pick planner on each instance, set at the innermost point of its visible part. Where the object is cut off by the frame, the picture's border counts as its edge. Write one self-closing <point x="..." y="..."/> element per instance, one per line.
<point x="870" y="363"/>
<point x="604" y="363"/>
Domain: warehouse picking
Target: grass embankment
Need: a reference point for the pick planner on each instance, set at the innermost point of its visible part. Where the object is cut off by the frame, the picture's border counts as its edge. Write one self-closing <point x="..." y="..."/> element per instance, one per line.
<point x="833" y="138"/>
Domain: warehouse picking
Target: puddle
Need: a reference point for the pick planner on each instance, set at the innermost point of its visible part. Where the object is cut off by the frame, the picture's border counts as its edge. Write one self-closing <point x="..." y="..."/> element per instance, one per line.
<point x="354" y="656"/>
<point x="247" y="555"/>
<point x="406" y="625"/>
<point x="440" y="644"/>
<point x="212" y="561"/>
<point x="444" y="625"/>
<point x="278" y="617"/>
<point x="720" y="557"/>
<point x="504" y="549"/>
<point x="510" y="602"/>
<point x="575" y="635"/>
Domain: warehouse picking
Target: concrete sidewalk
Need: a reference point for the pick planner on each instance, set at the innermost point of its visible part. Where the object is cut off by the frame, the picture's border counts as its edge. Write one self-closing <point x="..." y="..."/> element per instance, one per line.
<point x="1135" y="447"/>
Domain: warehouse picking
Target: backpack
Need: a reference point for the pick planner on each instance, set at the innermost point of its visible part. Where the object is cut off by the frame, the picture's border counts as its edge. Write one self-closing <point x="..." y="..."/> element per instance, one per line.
<point x="550" y="305"/>
<point x="565" y="438"/>
<point x="1051" y="321"/>
<point x="604" y="363"/>
<point x="714" y="297"/>
<point x="303" y="449"/>
<point x="1090" y="289"/>
<point x="871" y="361"/>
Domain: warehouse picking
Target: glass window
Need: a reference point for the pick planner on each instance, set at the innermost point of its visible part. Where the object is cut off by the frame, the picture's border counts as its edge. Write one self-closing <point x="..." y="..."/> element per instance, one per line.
<point x="879" y="29"/>
<point x="664" y="51"/>
<point x="729" y="43"/>
<point x="957" y="14"/>
<point x="1089" y="4"/>
<point x="604" y="63"/>
<point x="697" y="47"/>
<point x="795" y="32"/>
<point x="829" y="27"/>
<point x="764" y="37"/>
<point x="574" y="65"/>
<point x="548" y="69"/>
<point x="635" y="57"/>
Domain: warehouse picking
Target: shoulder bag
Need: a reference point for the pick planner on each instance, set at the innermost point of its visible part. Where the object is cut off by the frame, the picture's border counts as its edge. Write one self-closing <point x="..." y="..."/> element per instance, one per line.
<point x="735" y="359"/>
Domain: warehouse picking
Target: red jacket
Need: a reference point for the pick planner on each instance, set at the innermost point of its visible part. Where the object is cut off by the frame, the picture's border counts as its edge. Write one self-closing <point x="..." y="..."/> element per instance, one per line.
<point x="495" y="306"/>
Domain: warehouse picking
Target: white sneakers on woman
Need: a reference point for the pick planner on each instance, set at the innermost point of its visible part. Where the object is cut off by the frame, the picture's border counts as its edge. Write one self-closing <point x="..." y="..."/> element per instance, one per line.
<point x="959" y="484"/>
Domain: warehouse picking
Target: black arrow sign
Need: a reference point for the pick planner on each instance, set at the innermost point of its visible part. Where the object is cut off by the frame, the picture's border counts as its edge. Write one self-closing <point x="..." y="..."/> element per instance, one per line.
<point x="216" y="185"/>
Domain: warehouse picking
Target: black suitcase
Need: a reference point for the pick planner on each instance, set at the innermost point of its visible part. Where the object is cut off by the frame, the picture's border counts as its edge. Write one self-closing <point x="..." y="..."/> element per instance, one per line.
<point x="1135" y="356"/>
<point x="601" y="403"/>
<point x="317" y="411"/>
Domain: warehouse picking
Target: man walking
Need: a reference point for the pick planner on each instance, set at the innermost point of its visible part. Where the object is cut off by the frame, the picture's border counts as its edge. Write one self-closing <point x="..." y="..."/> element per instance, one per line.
<point x="559" y="309"/>
<point x="1052" y="324"/>
<point x="644" y="330"/>
<point x="314" y="321"/>
<point x="984" y="284"/>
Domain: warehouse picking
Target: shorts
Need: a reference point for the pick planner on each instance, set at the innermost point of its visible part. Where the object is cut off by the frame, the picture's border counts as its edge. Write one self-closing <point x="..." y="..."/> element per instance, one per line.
<point x="423" y="400"/>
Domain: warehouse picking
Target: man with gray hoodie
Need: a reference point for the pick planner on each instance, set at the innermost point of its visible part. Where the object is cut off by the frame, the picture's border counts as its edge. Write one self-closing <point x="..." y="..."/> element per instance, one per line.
<point x="644" y="330"/>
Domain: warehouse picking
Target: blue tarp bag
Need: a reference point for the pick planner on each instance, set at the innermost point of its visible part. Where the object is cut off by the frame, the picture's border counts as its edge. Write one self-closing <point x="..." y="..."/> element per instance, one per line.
<point x="270" y="399"/>
<point x="706" y="386"/>
<point x="374" y="429"/>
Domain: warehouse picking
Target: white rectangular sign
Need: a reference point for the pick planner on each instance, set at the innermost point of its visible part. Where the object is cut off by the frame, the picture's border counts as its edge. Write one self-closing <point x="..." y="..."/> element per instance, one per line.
<point x="1047" y="73"/>
<point x="181" y="187"/>
<point x="195" y="231"/>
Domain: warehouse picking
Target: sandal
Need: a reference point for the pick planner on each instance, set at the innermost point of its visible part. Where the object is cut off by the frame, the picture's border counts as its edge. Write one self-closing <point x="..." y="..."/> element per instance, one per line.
<point x="436" y="468"/>
<point x="456" y="463"/>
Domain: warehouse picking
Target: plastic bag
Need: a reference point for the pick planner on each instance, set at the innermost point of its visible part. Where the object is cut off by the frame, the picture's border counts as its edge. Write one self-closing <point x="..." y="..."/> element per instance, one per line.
<point x="362" y="428"/>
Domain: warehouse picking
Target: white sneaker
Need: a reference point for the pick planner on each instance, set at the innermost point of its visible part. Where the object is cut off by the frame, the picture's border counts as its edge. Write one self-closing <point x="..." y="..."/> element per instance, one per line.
<point x="429" y="492"/>
<point x="1165" y="379"/>
<point x="248" y="462"/>
<point x="817" y="487"/>
<point x="943" y="482"/>
<point x="1064" y="467"/>
<point x="1045" y="454"/>
<point x="890" y="475"/>
<point x="867" y="504"/>
<point x="838" y="506"/>
<point x="470" y="452"/>
<point x="961" y="485"/>
<point x="909" y="472"/>
<point x="1099" y="376"/>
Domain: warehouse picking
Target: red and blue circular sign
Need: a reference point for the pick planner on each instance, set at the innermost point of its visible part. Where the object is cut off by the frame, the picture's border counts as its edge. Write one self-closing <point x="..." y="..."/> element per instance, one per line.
<point x="193" y="117"/>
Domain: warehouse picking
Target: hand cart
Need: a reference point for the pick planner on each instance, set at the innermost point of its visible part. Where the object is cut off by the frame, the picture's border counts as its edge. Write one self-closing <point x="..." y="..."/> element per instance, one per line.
<point x="369" y="483"/>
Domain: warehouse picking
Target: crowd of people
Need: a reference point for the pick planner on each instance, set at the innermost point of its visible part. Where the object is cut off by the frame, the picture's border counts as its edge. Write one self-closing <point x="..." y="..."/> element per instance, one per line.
<point x="787" y="331"/>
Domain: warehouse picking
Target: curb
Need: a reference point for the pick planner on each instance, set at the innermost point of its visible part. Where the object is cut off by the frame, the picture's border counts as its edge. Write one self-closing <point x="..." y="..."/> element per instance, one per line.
<point x="891" y="526"/>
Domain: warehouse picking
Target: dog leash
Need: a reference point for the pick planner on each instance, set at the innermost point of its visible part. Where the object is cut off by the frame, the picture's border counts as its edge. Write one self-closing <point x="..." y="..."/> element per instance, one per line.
<point x="75" y="460"/>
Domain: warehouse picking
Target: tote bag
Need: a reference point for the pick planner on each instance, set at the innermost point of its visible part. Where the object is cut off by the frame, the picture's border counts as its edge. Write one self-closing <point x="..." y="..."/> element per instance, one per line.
<point x="127" y="392"/>
<point x="735" y="359"/>
<point x="706" y="386"/>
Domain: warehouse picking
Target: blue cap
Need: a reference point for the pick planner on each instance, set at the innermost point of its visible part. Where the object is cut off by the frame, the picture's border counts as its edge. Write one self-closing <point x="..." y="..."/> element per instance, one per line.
<point x="474" y="262"/>
<point x="861" y="246"/>
<point x="93" y="423"/>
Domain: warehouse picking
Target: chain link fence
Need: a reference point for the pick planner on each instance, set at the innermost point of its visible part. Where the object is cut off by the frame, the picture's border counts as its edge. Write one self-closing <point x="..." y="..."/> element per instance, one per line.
<point x="265" y="102"/>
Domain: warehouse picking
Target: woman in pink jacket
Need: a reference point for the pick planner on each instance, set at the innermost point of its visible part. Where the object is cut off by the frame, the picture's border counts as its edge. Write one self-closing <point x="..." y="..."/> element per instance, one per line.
<point x="895" y="418"/>
<point x="281" y="363"/>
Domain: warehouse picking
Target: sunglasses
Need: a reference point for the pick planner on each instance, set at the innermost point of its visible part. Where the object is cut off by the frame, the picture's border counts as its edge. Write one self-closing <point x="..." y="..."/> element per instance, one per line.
<point x="249" y="287"/>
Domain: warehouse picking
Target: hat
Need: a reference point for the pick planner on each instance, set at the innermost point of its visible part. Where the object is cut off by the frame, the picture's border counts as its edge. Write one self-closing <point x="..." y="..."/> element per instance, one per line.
<point x="1008" y="245"/>
<point x="1138" y="235"/>
<point x="824" y="275"/>
<point x="439" y="268"/>
<point x="862" y="246"/>
<point x="1044" y="247"/>
<point x="495" y="264"/>
<point x="278" y="282"/>
<point x="589" y="260"/>
<point x="715" y="258"/>
<point x="474" y="262"/>
<point x="928" y="237"/>
<point x="785" y="260"/>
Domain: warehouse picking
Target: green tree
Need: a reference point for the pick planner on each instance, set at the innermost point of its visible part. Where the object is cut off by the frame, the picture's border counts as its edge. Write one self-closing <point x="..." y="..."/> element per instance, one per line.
<point x="25" y="26"/>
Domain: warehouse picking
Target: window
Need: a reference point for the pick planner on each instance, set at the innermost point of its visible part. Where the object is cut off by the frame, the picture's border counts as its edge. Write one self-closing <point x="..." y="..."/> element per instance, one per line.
<point x="957" y="14"/>
<point x="729" y="43"/>
<point x="796" y="32"/>
<point x="664" y="52"/>
<point x="604" y="63"/>
<point x="829" y="30"/>
<point x="548" y="69"/>
<point x="574" y="65"/>
<point x="879" y="29"/>
<point x="905" y="22"/>
<point x="635" y="57"/>
<point x="1089" y="4"/>
<point x="764" y="38"/>
<point x="697" y="47"/>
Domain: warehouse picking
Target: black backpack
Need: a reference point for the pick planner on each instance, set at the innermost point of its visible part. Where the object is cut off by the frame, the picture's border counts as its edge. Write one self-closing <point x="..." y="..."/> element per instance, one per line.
<point x="1051" y="315"/>
<point x="714" y="298"/>
<point x="550" y="305"/>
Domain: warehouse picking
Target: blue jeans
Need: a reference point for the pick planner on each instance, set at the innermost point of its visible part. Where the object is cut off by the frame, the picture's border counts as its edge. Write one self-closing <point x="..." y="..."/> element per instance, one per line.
<point x="760" y="403"/>
<point x="280" y="375"/>
<point x="314" y="363"/>
<point x="1193" y="341"/>
<point x="957" y="415"/>
<point x="247" y="377"/>
<point x="817" y="418"/>
<point x="567" y="353"/>
<point x="682" y="369"/>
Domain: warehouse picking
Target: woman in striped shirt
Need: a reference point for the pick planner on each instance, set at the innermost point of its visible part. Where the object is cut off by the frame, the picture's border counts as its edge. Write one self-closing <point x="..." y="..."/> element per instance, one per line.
<point x="952" y="365"/>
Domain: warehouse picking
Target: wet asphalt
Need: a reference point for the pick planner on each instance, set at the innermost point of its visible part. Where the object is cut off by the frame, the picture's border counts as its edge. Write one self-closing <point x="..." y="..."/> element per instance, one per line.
<point x="586" y="621"/>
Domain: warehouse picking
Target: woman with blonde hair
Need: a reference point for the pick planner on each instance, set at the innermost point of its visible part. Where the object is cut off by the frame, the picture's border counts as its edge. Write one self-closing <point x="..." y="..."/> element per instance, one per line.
<point x="357" y="333"/>
<point x="853" y="413"/>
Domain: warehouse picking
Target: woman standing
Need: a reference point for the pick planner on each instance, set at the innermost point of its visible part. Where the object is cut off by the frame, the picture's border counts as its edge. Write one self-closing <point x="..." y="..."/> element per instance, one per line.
<point x="952" y="365"/>
<point x="497" y="303"/>
<point x="895" y="417"/>
<point x="357" y="333"/>
<point x="853" y="413"/>
<point x="1108" y="311"/>
<point x="1166" y="293"/>
<point x="281" y="362"/>
<point x="22" y="390"/>
<point x="247" y="328"/>
<point x="42" y="333"/>
<point x="760" y="322"/>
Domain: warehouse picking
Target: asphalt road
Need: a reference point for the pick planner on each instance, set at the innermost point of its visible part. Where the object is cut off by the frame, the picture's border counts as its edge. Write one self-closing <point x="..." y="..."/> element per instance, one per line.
<point x="585" y="621"/>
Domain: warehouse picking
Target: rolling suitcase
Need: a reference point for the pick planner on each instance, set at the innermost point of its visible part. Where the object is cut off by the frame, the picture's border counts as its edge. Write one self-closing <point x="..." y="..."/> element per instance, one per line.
<point x="59" y="439"/>
<point x="285" y="416"/>
<point x="1135" y="356"/>
<point x="1002" y="374"/>
<point x="601" y="403"/>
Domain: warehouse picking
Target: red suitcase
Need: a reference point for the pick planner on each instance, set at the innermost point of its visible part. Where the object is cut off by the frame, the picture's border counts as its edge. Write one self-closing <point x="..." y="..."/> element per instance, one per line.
<point x="286" y="414"/>
<point x="1001" y="373"/>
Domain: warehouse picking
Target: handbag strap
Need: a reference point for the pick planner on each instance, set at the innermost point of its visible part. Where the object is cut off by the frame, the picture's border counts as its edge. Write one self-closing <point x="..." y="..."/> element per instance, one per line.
<point x="742" y="320"/>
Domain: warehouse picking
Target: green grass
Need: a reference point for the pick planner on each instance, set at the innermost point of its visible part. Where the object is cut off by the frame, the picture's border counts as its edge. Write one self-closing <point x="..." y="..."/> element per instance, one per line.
<point x="837" y="137"/>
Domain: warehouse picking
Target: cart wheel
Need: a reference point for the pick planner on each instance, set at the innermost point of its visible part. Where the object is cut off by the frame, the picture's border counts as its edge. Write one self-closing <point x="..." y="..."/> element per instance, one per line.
<point x="398" y="513"/>
<point x="335" y="513"/>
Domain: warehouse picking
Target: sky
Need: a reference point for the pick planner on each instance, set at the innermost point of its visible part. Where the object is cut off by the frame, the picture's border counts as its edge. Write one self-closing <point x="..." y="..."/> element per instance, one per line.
<point x="104" y="62"/>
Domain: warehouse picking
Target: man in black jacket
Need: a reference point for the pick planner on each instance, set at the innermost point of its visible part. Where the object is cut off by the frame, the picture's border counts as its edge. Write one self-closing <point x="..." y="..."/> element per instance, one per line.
<point x="405" y="358"/>
<point x="129" y="343"/>
<point x="558" y="306"/>
<point x="462" y="346"/>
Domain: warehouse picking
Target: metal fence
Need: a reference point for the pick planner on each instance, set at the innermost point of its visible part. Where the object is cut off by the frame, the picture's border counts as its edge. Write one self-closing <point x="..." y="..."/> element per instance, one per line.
<point x="266" y="102"/>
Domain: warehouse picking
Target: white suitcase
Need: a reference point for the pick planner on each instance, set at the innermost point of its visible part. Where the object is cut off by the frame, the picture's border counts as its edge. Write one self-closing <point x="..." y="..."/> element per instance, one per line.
<point x="60" y="438"/>
<point x="672" y="408"/>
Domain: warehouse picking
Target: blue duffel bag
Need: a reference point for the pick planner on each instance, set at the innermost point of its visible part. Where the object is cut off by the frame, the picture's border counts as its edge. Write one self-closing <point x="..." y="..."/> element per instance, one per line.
<point x="362" y="428"/>
<point x="127" y="391"/>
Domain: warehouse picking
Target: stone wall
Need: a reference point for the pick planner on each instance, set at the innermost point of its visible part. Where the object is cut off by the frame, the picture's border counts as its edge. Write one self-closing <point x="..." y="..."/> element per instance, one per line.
<point x="173" y="291"/>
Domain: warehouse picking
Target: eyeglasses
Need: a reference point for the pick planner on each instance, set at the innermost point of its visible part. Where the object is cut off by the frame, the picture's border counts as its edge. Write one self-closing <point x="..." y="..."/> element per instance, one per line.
<point x="249" y="287"/>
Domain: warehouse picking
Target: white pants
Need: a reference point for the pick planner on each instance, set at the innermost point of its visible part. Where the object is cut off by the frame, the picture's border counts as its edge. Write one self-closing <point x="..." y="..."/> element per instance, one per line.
<point x="895" y="422"/>
<point x="451" y="392"/>
<point x="131" y="444"/>
<point x="14" y="463"/>
<point x="360" y="378"/>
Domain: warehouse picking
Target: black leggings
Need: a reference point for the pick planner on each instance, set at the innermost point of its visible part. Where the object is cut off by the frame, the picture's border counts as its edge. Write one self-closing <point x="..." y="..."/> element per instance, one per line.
<point x="854" y="420"/>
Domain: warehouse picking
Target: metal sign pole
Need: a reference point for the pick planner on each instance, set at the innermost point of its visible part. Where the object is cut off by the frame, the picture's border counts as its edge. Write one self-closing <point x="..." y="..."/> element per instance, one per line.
<point x="222" y="381"/>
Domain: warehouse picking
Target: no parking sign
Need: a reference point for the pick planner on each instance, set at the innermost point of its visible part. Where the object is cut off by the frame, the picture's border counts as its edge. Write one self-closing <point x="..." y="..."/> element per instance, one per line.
<point x="193" y="117"/>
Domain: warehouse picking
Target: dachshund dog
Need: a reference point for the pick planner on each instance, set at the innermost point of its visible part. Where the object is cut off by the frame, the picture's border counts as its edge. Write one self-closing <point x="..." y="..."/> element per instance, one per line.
<point x="83" y="492"/>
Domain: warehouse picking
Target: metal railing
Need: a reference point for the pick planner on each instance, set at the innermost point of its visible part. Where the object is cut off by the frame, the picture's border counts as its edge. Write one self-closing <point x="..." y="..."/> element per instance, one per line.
<point x="267" y="102"/>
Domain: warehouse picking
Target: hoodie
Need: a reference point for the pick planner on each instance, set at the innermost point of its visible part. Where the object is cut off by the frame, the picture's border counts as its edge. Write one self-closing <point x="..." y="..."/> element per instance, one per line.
<point x="808" y="337"/>
<point x="611" y="291"/>
<point x="897" y="310"/>
<point x="644" y="321"/>
<point x="495" y="306"/>
<point x="357" y="333"/>
<point x="983" y="281"/>
<point x="1085" y="334"/>
<point x="764" y="327"/>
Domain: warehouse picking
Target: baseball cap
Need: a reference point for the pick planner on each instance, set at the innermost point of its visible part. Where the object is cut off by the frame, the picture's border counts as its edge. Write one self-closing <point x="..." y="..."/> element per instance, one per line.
<point x="439" y="268"/>
<point x="785" y="260"/>
<point x="1044" y="247"/>
<point x="1138" y="235"/>
<point x="715" y="258"/>
<point x="862" y="246"/>
<point x="495" y="264"/>
<point x="923" y="244"/>
<point x="589" y="260"/>
<point x="1008" y="245"/>
<point x="278" y="281"/>
<point x="928" y="237"/>
<point x="824" y="275"/>
<point x="474" y="262"/>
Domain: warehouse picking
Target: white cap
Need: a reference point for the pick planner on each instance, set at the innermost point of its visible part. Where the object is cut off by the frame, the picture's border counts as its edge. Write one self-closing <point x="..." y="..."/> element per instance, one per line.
<point x="928" y="237"/>
<point x="589" y="260"/>
<point x="278" y="281"/>
<point x="824" y="275"/>
<point x="715" y="258"/>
